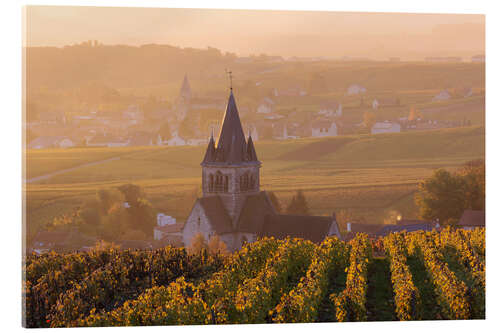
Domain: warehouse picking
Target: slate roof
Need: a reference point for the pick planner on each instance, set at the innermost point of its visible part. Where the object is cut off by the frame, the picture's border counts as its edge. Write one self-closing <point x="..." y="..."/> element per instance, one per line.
<point x="231" y="147"/>
<point x="170" y="228"/>
<point x="216" y="214"/>
<point x="474" y="218"/>
<point x="254" y="211"/>
<point x="313" y="228"/>
<point x="391" y="228"/>
<point x="408" y="222"/>
<point x="370" y="229"/>
<point x="251" y="153"/>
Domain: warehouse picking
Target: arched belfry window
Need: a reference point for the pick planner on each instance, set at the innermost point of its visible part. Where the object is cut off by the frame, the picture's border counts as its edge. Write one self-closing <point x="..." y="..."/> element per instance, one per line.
<point x="245" y="182"/>
<point x="226" y="183"/>
<point x="211" y="183"/>
<point x="219" y="182"/>
<point x="252" y="182"/>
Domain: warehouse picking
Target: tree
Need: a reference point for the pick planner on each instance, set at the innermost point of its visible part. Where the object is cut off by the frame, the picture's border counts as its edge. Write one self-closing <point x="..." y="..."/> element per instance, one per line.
<point x="441" y="197"/>
<point x="298" y="205"/>
<point x="114" y="224"/>
<point x="89" y="213"/>
<point x="446" y="195"/>
<point x="106" y="199"/>
<point x="142" y="217"/>
<point x="275" y="201"/>
<point x="133" y="234"/>
<point x="198" y="243"/>
<point x="473" y="173"/>
<point x="369" y="119"/>
<point x="217" y="246"/>
<point x="139" y="211"/>
<point x="132" y="193"/>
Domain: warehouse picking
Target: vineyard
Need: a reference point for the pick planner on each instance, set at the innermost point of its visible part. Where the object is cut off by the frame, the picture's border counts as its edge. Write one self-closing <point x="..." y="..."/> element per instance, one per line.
<point x="404" y="276"/>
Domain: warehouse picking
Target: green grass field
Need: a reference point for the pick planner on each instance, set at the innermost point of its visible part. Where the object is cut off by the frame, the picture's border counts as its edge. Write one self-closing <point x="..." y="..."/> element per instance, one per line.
<point x="370" y="175"/>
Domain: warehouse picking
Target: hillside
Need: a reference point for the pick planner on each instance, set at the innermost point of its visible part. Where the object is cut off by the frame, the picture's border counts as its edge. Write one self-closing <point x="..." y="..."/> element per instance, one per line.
<point x="159" y="69"/>
<point x="371" y="175"/>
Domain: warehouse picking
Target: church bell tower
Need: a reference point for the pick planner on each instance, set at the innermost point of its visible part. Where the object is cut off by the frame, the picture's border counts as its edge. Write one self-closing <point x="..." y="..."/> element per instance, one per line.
<point x="230" y="168"/>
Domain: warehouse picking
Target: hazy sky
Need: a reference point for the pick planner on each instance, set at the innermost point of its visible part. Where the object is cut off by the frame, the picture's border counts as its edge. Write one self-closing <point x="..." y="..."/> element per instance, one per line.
<point x="286" y="33"/>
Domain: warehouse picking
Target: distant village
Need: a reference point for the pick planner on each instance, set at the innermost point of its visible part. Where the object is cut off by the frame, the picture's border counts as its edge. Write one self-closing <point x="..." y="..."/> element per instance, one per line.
<point x="189" y="120"/>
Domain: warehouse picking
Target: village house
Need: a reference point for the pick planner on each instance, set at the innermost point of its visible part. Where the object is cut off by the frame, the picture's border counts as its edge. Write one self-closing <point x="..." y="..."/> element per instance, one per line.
<point x="322" y="128"/>
<point x="443" y="95"/>
<point x="355" y="89"/>
<point x="44" y="142"/>
<point x="133" y="115"/>
<point x="176" y="140"/>
<point x="384" y="102"/>
<point x="170" y="231"/>
<point x="232" y="205"/>
<point x="386" y="127"/>
<point x="330" y="109"/>
<point x="266" y="106"/>
<point x="290" y="91"/>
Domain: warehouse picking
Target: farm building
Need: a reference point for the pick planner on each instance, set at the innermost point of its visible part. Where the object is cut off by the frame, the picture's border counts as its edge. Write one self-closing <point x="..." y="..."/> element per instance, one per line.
<point x="232" y="205"/>
<point x="472" y="219"/>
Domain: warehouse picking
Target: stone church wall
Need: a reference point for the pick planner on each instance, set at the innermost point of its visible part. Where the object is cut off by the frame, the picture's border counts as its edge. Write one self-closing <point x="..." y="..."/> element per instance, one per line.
<point x="196" y="222"/>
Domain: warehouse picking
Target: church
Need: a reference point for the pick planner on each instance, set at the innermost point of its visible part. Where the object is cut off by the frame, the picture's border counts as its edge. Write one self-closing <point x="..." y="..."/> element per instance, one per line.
<point x="232" y="204"/>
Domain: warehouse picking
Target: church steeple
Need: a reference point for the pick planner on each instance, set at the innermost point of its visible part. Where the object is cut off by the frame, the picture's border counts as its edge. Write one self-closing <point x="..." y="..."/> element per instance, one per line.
<point x="231" y="147"/>
<point x="230" y="168"/>
<point x="185" y="89"/>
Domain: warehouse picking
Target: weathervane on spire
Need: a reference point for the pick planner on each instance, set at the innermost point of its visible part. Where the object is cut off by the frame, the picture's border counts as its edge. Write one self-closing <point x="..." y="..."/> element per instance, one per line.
<point x="230" y="75"/>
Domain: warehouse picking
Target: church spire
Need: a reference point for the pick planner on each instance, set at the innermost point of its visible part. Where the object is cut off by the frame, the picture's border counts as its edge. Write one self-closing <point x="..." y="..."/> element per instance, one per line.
<point x="251" y="154"/>
<point x="186" y="88"/>
<point x="210" y="153"/>
<point x="231" y="142"/>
